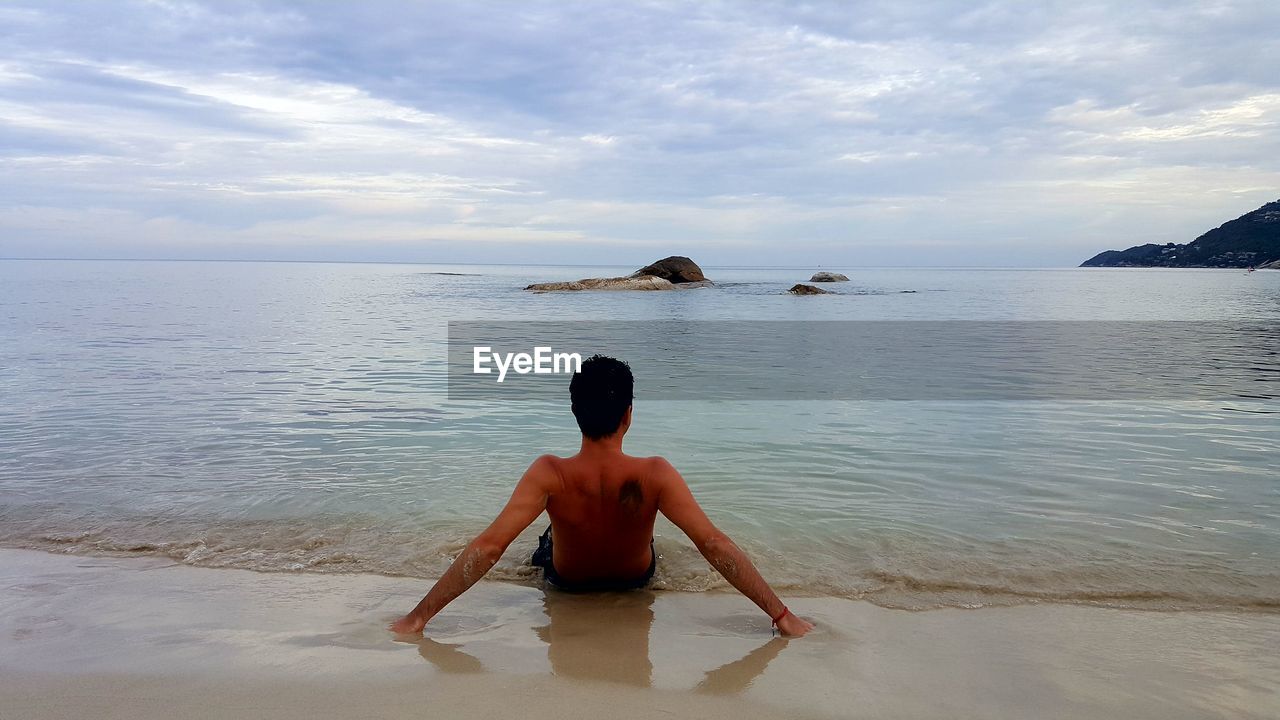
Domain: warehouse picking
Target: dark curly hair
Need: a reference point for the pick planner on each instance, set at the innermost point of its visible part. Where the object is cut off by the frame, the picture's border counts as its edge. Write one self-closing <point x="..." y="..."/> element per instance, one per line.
<point x="601" y="392"/>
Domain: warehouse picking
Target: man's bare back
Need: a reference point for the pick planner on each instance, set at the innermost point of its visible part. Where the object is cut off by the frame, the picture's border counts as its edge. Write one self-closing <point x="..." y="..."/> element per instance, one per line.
<point x="603" y="504"/>
<point x="602" y="511"/>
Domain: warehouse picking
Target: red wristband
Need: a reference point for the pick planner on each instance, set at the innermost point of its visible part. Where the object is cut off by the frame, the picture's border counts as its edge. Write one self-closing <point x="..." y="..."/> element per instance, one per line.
<point x="781" y="615"/>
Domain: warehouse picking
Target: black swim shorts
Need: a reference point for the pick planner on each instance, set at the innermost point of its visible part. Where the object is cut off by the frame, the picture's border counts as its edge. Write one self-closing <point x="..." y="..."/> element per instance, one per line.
<point x="542" y="558"/>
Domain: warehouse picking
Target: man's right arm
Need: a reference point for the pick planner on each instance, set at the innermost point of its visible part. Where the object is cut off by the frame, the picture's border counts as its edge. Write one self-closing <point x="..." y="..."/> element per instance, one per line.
<point x="677" y="503"/>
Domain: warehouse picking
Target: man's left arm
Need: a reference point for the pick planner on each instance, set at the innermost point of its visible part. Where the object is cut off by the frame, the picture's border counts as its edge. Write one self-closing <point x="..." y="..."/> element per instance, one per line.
<point x="527" y="502"/>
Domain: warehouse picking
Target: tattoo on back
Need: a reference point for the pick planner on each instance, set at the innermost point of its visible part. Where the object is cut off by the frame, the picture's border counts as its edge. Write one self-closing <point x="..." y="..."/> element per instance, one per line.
<point x="630" y="496"/>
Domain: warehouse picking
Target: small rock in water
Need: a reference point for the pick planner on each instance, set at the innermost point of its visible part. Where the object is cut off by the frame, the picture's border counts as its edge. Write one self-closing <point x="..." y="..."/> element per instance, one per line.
<point x="800" y="289"/>
<point x="828" y="277"/>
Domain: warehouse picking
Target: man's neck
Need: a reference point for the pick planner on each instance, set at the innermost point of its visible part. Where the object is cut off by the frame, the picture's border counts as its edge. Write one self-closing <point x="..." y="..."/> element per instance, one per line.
<point x="610" y="445"/>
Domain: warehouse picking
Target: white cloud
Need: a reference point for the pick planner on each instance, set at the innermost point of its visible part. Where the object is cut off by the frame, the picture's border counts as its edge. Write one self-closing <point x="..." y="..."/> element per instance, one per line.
<point x="1248" y="117"/>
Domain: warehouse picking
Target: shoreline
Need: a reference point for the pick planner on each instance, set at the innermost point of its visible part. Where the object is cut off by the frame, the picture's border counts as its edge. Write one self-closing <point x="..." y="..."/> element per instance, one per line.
<point x="681" y="569"/>
<point x="138" y="638"/>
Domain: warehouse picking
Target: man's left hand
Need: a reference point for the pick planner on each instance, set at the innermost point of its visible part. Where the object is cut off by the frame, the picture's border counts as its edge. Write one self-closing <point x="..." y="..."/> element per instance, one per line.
<point x="410" y="624"/>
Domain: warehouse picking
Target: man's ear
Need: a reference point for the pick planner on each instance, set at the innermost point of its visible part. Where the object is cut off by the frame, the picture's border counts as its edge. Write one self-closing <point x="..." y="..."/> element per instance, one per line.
<point x="626" y="419"/>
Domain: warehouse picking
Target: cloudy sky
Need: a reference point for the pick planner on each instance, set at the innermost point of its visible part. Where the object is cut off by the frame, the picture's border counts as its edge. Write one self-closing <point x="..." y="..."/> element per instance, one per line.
<point x="750" y="133"/>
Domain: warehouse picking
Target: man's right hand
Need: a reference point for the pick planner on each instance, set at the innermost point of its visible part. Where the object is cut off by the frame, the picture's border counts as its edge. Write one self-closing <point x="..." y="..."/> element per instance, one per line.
<point x="792" y="625"/>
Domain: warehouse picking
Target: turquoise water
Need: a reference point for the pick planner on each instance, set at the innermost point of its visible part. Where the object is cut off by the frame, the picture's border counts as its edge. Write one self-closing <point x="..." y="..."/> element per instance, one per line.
<point x="294" y="417"/>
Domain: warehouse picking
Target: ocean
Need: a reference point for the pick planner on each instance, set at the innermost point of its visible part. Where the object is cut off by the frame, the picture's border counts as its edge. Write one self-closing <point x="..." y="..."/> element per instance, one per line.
<point x="296" y="417"/>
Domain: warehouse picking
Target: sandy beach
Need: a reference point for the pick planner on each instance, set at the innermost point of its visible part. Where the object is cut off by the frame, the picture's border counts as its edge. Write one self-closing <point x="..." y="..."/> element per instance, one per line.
<point x="142" y="638"/>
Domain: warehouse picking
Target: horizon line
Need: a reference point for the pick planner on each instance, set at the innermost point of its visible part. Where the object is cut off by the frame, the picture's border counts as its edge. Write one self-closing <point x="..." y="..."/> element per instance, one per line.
<point x="494" y="264"/>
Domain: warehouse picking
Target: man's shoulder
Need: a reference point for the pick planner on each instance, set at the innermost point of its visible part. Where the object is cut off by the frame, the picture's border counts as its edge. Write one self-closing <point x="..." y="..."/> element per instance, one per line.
<point x="547" y="462"/>
<point x="654" y="465"/>
<point x="545" y="467"/>
<point x="656" y="460"/>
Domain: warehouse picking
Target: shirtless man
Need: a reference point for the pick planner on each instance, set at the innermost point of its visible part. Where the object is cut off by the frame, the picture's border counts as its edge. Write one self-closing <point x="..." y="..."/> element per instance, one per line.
<point x="602" y="503"/>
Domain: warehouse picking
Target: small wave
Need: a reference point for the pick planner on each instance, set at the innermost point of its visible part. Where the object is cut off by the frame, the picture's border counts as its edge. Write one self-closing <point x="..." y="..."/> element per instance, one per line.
<point x="912" y="593"/>
<point x="341" y="545"/>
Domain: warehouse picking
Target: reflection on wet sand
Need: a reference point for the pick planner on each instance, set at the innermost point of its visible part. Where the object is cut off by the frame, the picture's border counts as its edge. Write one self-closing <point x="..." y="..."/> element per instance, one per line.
<point x="601" y="636"/>
<point x="734" y="677"/>
<point x="448" y="658"/>
<point x="604" y="637"/>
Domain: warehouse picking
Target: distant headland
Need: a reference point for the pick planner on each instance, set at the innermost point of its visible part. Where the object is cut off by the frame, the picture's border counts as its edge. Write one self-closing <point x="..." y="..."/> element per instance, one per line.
<point x="1251" y="240"/>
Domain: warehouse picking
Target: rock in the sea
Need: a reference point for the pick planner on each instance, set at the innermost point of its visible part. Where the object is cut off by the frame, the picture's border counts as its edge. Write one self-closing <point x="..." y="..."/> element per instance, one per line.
<point x="643" y="282"/>
<point x="828" y="277"/>
<point x="807" y="290"/>
<point x="673" y="273"/>
<point x="677" y="268"/>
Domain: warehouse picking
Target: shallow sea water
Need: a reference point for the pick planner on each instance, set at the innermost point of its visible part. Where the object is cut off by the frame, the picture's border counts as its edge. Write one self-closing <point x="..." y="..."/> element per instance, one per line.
<point x="295" y="417"/>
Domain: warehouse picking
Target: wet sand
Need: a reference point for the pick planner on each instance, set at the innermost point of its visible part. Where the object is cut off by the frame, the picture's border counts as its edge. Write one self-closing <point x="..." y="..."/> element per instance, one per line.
<point x="145" y="638"/>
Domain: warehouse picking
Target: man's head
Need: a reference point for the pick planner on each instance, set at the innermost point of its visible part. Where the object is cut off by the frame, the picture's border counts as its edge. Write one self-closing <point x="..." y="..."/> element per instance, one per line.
<point x="601" y="392"/>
